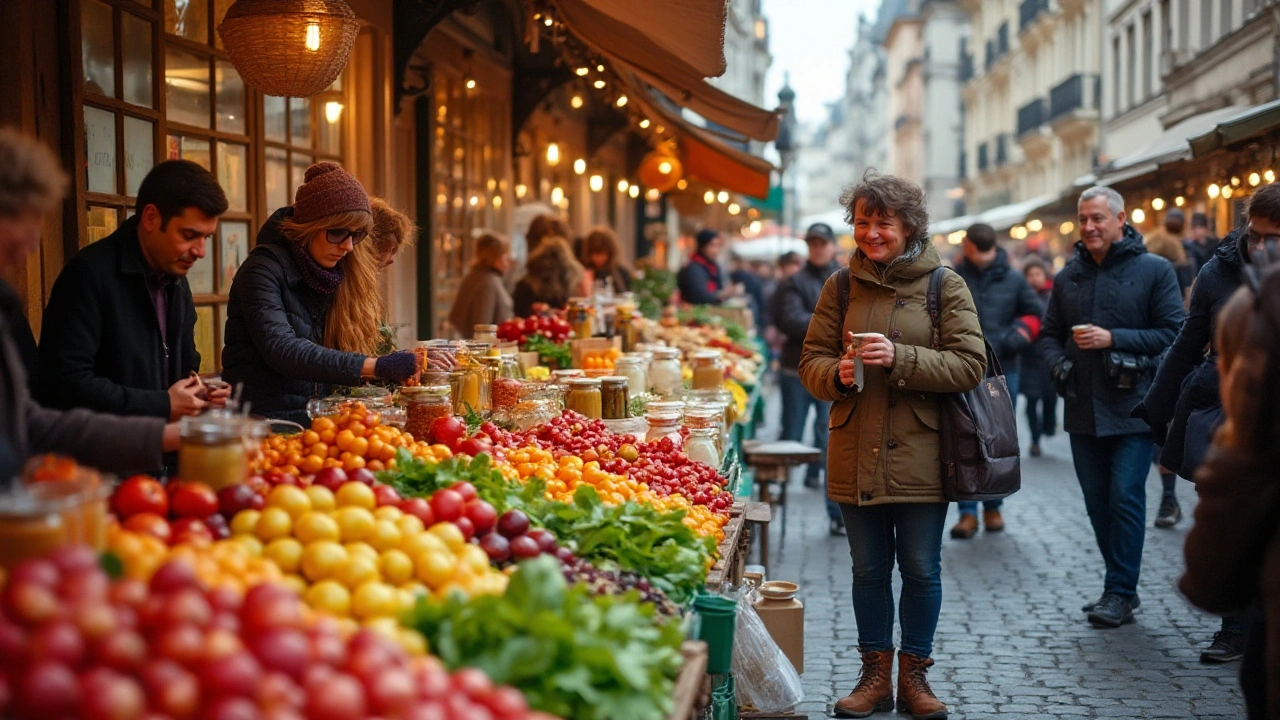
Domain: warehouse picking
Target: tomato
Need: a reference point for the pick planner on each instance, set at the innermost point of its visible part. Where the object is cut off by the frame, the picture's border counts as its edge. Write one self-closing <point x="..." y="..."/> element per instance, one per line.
<point x="419" y="508"/>
<point x="482" y="516"/>
<point x="446" y="505"/>
<point x="465" y="489"/>
<point x="447" y="431"/>
<point x="474" y="446"/>
<point x="192" y="500"/>
<point x="190" y="527"/>
<point x="150" y="524"/>
<point x="140" y="494"/>
<point x="386" y="495"/>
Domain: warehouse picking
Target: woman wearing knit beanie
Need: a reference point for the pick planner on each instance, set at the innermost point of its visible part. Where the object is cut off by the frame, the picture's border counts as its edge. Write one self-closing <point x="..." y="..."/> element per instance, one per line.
<point x="290" y="335"/>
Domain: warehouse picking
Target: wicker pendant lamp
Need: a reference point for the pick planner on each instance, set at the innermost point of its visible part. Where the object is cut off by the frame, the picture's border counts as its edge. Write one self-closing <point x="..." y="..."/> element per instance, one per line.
<point x="289" y="48"/>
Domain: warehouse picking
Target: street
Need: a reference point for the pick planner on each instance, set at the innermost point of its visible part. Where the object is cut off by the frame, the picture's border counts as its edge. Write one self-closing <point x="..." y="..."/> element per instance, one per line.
<point x="1012" y="641"/>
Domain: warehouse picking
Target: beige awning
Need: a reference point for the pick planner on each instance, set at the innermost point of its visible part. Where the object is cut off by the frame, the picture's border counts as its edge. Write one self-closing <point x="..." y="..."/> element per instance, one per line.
<point x="633" y="48"/>
<point x="693" y="30"/>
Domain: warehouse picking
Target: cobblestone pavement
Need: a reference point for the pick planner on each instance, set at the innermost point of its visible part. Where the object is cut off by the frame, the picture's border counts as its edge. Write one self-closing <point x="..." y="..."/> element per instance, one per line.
<point x="1012" y="641"/>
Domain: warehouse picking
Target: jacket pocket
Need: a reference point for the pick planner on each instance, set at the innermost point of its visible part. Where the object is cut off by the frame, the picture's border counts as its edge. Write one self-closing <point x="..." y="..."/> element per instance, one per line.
<point x="926" y="412"/>
<point x="840" y="413"/>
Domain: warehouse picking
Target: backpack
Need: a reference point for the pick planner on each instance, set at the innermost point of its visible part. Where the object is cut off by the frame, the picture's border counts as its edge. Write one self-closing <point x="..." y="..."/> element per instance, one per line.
<point x="978" y="430"/>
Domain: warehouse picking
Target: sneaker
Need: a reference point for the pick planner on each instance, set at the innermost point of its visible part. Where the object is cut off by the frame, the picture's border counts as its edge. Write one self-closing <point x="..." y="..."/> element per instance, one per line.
<point x="836" y="527"/>
<point x="1170" y="512"/>
<point x="1112" y="611"/>
<point x="1135" y="603"/>
<point x="1035" y="449"/>
<point x="1226" y="647"/>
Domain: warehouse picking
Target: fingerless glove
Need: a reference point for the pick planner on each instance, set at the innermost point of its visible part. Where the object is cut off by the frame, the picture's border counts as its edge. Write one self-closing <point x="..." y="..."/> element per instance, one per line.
<point x="396" y="367"/>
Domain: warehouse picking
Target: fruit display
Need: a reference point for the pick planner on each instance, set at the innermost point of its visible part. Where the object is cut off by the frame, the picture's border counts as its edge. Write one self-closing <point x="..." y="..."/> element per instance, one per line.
<point x="520" y="330"/>
<point x="601" y="360"/>
<point x="74" y="644"/>
<point x="351" y="440"/>
<point x="177" y="513"/>
<point x="609" y="582"/>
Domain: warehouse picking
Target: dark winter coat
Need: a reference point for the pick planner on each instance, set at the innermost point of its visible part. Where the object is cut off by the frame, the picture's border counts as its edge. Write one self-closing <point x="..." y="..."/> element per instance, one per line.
<point x="700" y="281"/>
<point x="1187" y="381"/>
<point x="100" y="343"/>
<point x="1001" y="295"/>
<point x="1035" y="380"/>
<point x="275" y="333"/>
<point x="794" y="302"/>
<point x="109" y="443"/>
<point x="1134" y="294"/>
<point x="1199" y="255"/>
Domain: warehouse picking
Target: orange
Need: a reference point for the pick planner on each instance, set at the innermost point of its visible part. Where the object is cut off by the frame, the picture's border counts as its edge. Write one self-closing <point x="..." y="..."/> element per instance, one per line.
<point x="360" y="447"/>
<point x="310" y="437"/>
<point x="358" y="429"/>
<point x="355" y="462"/>
<point x="344" y="440"/>
<point x="311" y="464"/>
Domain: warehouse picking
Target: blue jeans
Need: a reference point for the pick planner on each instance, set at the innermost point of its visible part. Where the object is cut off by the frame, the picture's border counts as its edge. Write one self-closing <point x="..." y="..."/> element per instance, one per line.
<point x="1113" y="477"/>
<point x="796" y="402"/>
<point x="971" y="508"/>
<point x="911" y="532"/>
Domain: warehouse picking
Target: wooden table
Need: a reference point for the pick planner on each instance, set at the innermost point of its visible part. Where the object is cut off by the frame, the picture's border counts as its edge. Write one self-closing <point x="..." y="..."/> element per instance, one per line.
<point x="771" y="463"/>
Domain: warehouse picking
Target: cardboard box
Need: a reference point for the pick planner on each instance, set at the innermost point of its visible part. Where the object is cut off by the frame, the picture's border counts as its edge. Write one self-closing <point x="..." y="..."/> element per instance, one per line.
<point x="785" y="622"/>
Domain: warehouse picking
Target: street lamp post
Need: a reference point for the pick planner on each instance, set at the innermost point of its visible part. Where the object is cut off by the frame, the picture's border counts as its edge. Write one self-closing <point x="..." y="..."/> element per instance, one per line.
<point x="787" y="146"/>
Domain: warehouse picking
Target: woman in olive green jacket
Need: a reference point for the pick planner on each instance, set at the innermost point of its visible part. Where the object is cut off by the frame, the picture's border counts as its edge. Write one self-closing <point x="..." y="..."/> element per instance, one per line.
<point x="882" y="460"/>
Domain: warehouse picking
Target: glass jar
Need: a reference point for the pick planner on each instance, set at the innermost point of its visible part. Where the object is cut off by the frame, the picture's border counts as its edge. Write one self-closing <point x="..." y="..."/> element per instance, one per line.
<point x="584" y="397"/>
<point x="505" y="392"/>
<point x="422" y="405"/>
<point x="562" y="377"/>
<point x="706" y="416"/>
<point x="722" y="398"/>
<point x="485" y="334"/>
<point x="212" y="449"/>
<point x="665" y="407"/>
<point x="624" y="327"/>
<point x="708" y="370"/>
<point x="664" y="372"/>
<point x="663" y="425"/>
<point x="702" y="446"/>
<point x="578" y="313"/>
<point x="539" y="403"/>
<point x="632" y="367"/>
<point x="615" y="398"/>
<point x="30" y="526"/>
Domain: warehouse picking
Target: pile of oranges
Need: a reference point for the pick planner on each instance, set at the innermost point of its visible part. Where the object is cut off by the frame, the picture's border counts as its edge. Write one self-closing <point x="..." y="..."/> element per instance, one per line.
<point x="603" y="360"/>
<point x="230" y="563"/>
<point x="353" y="439"/>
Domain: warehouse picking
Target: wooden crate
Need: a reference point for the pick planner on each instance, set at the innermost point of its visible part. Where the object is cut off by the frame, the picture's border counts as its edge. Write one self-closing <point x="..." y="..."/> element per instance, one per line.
<point x="693" y="688"/>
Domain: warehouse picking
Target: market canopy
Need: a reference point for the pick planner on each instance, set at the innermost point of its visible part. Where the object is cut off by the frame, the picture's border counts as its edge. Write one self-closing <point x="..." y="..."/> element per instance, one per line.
<point x="690" y="29"/>
<point x="1252" y="123"/>
<point x="999" y="218"/>
<point x="1171" y="146"/>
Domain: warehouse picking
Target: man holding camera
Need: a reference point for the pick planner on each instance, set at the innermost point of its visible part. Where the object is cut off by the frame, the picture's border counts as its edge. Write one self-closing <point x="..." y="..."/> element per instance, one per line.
<point x="1113" y="310"/>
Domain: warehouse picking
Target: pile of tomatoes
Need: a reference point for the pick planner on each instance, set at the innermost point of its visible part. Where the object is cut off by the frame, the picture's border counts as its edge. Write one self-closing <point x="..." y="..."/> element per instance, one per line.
<point x="519" y="330"/>
<point x="75" y="644"/>
<point x="177" y="513"/>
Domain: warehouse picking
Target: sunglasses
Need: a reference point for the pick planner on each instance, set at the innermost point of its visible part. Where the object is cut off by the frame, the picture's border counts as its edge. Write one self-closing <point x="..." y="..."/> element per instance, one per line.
<point x="337" y="236"/>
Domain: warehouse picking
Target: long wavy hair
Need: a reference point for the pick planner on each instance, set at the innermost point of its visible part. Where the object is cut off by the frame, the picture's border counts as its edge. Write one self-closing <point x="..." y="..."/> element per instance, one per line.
<point x="355" y="316"/>
<point x="552" y="273"/>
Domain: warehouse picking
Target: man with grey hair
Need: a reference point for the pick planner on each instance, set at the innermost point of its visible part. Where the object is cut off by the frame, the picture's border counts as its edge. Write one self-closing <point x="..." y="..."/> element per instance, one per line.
<point x="1113" y="310"/>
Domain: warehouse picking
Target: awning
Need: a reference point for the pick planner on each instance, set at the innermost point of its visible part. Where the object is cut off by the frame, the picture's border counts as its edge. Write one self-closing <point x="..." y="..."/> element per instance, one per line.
<point x="999" y="218"/>
<point x="946" y="227"/>
<point x="1172" y="145"/>
<point x="1251" y="123"/>
<point x="631" y="47"/>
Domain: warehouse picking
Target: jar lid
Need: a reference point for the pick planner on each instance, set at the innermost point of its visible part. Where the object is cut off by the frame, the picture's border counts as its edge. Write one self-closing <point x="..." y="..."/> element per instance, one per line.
<point x="425" y="391"/>
<point x="486" y="328"/>
<point x="568" y="373"/>
<point x="666" y="353"/>
<point x="665" y="406"/>
<point x="585" y="382"/>
<point x="707" y="355"/>
<point x="662" y="417"/>
<point x="614" y="380"/>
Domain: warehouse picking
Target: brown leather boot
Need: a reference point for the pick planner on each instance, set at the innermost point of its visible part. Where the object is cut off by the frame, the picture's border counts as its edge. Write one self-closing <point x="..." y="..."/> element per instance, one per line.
<point x="992" y="520"/>
<point x="914" y="695"/>
<point x="874" y="691"/>
<point x="966" y="527"/>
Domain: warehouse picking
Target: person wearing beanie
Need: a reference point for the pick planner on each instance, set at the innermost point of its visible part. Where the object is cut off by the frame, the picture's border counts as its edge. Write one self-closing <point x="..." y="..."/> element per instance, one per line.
<point x="1202" y="245"/>
<point x="701" y="281"/>
<point x="290" y="334"/>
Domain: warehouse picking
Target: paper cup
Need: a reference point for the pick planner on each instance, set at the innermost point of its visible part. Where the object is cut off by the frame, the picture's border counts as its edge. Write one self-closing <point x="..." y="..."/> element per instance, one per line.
<point x="1077" y="329"/>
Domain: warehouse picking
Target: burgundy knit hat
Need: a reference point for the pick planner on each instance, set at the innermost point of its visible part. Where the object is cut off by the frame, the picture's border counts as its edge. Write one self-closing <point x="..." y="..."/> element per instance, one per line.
<point x="328" y="190"/>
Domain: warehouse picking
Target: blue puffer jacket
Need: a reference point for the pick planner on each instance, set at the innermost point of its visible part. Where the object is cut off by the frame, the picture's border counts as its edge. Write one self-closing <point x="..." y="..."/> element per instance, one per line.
<point x="1134" y="295"/>
<point x="275" y="333"/>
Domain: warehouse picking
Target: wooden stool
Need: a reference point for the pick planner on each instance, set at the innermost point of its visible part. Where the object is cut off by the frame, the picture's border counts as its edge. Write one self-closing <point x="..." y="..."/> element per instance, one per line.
<point x="771" y="462"/>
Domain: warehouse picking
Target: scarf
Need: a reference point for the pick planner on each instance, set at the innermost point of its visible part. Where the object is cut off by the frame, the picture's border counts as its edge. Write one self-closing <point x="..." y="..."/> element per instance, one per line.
<point x="319" y="279"/>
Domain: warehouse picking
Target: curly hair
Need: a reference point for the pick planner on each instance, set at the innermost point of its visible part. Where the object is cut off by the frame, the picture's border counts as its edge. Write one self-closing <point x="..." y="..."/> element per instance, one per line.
<point x="544" y="226"/>
<point x="552" y="273"/>
<point x="890" y="196"/>
<point x="30" y="176"/>
<point x="393" y="231"/>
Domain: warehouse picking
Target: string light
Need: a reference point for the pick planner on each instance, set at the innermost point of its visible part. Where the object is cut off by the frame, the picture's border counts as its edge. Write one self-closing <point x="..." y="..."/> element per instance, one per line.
<point x="599" y="84"/>
<point x="471" y="83"/>
<point x="1214" y="190"/>
<point x="497" y="202"/>
<point x="521" y="190"/>
<point x="1269" y="176"/>
<point x="576" y="102"/>
<point x="548" y="22"/>
<point x="634" y="191"/>
<point x="1138" y="216"/>
<point x="644" y="124"/>
<point x="1254" y="179"/>
<point x="1227" y="192"/>
<point x="1035" y="226"/>
<point x="683" y="184"/>
<point x="1157" y="204"/>
<point x="333" y="111"/>
<point x="557" y="195"/>
<point x="1235" y="181"/>
<point x="600" y="68"/>
<point x="723" y="197"/>
<point x="1067" y="227"/>
<point x="1179" y="201"/>
<point x="582" y="71"/>
<point x="709" y="197"/>
<point x="597" y="183"/>
<point x="665" y="167"/>
<point x="622" y="101"/>
<point x="734" y="208"/>
<point x="579" y="166"/>
<point x="553" y="154"/>
<point x="623" y="185"/>
<point x="652" y="195"/>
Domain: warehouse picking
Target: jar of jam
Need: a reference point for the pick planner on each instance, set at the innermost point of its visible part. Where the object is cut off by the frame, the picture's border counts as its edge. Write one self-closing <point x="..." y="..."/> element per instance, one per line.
<point x="663" y="425"/>
<point x="615" y="398"/>
<point x="584" y="397"/>
<point x="664" y="372"/>
<point x="579" y="315"/>
<point x="422" y="405"/>
<point x="708" y="370"/>
<point x="212" y="449"/>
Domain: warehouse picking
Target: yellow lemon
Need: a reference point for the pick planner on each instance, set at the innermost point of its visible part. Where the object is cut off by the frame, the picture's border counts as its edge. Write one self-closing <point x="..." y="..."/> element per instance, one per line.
<point x="396" y="566"/>
<point x="285" y="553"/>
<point x="329" y="596"/>
<point x="450" y="534"/>
<point x="356" y="494"/>
<point x="385" y="535"/>
<point x="409" y="525"/>
<point x="364" y="550"/>
<point x="355" y="523"/>
<point x="291" y="499"/>
<point x="316" y="526"/>
<point x="244" y="522"/>
<point x="415" y="545"/>
<point x="273" y="523"/>
<point x="322" y="560"/>
<point x="375" y="599"/>
<point x="435" y="568"/>
<point x="358" y="571"/>
<point x="321" y="497"/>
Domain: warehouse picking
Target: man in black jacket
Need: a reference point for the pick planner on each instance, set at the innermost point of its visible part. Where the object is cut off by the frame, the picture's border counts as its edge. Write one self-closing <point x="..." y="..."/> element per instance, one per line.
<point x="1009" y="313"/>
<point x="1113" y="310"/>
<point x="794" y="302"/>
<point x="119" y="331"/>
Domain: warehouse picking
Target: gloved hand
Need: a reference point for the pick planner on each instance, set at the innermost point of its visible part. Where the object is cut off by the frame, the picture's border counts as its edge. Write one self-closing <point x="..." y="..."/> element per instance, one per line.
<point x="1062" y="376"/>
<point x="396" y="367"/>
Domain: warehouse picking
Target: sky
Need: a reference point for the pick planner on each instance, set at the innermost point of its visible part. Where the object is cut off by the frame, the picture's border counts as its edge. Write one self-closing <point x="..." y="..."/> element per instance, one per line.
<point x="811" y="39"/>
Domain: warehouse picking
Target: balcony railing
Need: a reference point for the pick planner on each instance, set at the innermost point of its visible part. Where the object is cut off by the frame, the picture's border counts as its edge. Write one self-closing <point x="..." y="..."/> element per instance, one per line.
<point x="1028" y="11"/>
<point x="1002" y="150"/>
<point x="1078" y="92"/>
<point x="1031" y="116"/>
<point x="984" y="162"/>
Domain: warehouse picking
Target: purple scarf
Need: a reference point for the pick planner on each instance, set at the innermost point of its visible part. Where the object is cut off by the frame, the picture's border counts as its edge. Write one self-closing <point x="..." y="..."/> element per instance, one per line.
<point x="322" y="280"/>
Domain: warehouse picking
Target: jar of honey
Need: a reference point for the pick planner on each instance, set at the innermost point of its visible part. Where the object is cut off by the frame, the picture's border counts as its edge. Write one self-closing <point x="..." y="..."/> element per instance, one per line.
<point x="708" y="370"/>
<point x="213" y="449"/>
<point x="584" y="397"/>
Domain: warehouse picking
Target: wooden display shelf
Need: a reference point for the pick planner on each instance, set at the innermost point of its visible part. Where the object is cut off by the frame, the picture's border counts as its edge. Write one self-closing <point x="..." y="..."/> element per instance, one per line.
<point x="693" y="685"/>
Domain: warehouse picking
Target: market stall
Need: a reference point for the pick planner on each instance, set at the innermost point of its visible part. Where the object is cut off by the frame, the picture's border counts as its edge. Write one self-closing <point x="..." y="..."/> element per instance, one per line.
<point x="497" y="538"/>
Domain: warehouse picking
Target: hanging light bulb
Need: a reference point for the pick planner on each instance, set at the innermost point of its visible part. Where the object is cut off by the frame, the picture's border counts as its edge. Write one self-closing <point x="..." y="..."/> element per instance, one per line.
<point x="734" y="208"/>
<point x="652" y="195"/>
<point x="1214" y="190"/>
<point x="1235" y="181"/>
<point x="623" y="185"/>
<point x="634" y="191"/>
<point x="475" y="200"/>
<point x="1269" y="176"/>
<point x="683" y="184"/>
<point x="1157" y="204"/>
<point x="333" y="111"/>
<point x="521" y="190"/>
<point x="644" y="124"/>
<point x="1255" y="179"/>
<point x="557" y="194"/>
<point x="597" y="183"/>
<point x="1138" y="216"/>
<point x="312" y="42"/>
<point x="722" y="197"/>
<point x="622" y="101"/>
<point x="553" y="154"/>
<point x="497" y="202"/>
<point x="471" y="83"/>
<point x="709" y="197"/>
<point x="665" y="167"/>
<point x="548" y="21"/>
<point x="1067" y="227"/>
<point x="582" y="71"/>
<point x="576" y="102"/>
<point x="599" y="84"/>
<point x="579" y="166"/>
<point x="1179" y="201"/>
<point x="1035" y="226"/>
<point x="1228" y="191"/>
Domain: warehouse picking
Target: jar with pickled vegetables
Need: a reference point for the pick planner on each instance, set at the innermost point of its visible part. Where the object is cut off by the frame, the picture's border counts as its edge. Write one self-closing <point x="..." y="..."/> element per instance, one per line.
<point x="663" y="425"/>
<point x="584" y="397"/>
<point x="625" y="327"/>
<point x="708" y="370"/>
<point x="701" y="446"/>
<point x="615" y="398"/>
<point x="422" y="405"/>
<point x="664" y="372"/>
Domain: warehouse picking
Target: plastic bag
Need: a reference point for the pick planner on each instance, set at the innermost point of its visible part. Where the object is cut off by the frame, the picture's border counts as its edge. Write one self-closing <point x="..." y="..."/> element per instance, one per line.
<point x="763" y="676"/>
